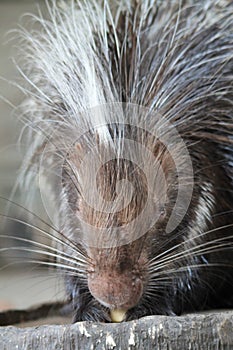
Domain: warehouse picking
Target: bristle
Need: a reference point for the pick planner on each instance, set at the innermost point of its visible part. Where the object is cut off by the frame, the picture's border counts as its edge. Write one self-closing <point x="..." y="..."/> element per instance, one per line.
<point x="147" y="53"/>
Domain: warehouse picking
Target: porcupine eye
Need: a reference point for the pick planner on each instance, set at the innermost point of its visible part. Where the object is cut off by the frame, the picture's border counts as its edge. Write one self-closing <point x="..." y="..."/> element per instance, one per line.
<point x="162" y="213"/>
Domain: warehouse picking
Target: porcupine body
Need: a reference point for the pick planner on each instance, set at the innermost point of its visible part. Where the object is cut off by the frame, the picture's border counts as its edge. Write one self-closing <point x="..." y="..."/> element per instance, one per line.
<point x="157" y="74"/>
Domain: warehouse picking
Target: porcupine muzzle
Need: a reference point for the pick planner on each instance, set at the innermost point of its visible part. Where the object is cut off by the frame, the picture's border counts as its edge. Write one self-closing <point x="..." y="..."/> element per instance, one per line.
<point x="116" y="282"/>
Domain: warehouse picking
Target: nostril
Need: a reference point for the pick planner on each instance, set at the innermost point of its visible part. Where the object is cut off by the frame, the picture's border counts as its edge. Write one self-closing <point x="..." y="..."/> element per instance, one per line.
<point x="123" y="265"/>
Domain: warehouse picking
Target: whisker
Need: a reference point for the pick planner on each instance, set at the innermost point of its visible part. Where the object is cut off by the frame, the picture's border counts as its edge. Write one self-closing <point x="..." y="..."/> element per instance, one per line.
<point x="63" y="243"/>
<point x="62" y="267"/>
<point x="67" y="242"/>
<point x="194" y="251"/>
<point x="61" y="255"/>
<point x="180" y="245"/>
<point x="174" y="271"/>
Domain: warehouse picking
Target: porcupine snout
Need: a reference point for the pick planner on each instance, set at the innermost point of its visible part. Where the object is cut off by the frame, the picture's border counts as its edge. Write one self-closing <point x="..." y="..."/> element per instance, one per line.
<point x="116" y="269"/>
<point x="115" y="280"/>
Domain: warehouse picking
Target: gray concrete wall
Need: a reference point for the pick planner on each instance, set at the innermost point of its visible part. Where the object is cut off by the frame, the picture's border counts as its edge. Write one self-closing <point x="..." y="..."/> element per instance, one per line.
<point x="10" y="153"/>
<point x="10" y="13"/>
<point x="26" y="286"/>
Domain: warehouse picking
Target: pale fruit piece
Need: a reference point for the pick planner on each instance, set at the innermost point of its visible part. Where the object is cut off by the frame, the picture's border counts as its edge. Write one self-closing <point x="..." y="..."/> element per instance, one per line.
<point x="117" y="315"/>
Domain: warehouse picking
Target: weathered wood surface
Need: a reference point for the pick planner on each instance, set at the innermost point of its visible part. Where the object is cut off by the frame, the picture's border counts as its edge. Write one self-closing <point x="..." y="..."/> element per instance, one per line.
<point x="195" y="331"/>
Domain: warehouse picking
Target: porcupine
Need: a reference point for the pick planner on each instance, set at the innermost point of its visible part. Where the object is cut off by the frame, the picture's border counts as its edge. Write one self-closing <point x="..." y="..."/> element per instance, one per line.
<point x="157" y="74"/>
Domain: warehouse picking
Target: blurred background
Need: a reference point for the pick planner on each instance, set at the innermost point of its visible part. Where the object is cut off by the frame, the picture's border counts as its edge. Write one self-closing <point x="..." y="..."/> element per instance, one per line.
<point x="21" y="285"/>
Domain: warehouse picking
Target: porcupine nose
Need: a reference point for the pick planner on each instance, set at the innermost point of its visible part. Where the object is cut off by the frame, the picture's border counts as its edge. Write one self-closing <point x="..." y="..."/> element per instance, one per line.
<point x="116" y="291"/>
